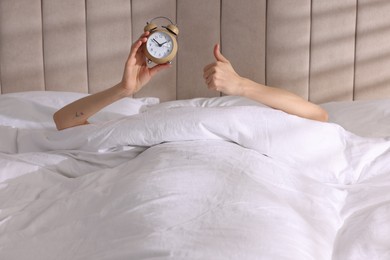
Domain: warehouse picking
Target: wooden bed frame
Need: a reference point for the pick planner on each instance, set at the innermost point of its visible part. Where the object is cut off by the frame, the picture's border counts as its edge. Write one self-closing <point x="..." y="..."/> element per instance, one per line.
<point x="322" y="50"/>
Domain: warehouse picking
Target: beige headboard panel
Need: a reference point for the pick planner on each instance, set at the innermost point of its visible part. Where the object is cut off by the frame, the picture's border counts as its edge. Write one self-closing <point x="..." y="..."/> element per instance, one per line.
<point x="320" y="49"/>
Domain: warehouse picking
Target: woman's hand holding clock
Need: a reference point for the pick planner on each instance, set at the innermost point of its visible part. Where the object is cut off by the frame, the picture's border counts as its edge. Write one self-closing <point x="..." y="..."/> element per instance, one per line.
<point x="137" y="73"/>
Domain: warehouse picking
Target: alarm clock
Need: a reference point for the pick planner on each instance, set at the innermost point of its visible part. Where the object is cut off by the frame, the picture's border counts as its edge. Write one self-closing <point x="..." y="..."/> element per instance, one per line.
<point x="161" y="46"/>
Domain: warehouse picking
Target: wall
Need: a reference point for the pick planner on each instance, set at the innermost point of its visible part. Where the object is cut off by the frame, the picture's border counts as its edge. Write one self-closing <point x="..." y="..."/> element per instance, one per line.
<point x="320" y="49"/>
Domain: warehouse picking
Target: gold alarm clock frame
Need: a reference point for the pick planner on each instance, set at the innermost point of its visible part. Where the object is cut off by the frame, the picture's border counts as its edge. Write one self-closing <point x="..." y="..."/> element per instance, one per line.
<point x="171" y="30"/>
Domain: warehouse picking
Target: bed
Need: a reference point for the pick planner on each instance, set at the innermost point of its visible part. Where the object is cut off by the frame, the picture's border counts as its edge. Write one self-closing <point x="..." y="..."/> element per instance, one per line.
<point x="182" y="172"/>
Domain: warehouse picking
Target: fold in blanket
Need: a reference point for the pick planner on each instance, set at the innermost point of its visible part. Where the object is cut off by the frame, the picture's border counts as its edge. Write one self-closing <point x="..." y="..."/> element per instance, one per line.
<point x="294" y="140"/>
<point x="196" y="183"/>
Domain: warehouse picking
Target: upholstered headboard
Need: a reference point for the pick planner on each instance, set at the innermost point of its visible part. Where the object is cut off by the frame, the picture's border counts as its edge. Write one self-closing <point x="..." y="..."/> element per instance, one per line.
<point x="320" y="49"/>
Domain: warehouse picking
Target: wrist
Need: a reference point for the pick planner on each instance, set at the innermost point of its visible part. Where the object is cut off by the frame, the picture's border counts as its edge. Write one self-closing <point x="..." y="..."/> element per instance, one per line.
<point x="122" y="90"/>
<point x="237" y="87"/>
<point x="251" y="88"/>
<point x="244" y="87"/>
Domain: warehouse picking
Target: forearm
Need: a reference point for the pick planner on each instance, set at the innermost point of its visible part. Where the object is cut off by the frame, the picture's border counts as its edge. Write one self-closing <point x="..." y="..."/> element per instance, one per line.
<point x="78" y="112"/>
<point x="282" y="100"/>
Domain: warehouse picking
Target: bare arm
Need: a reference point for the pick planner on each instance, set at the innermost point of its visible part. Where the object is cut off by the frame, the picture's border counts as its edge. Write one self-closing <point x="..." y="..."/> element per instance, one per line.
<point x="78" y="112"/>
<point x="136" y="74"/>
<point x="221" y="76"/>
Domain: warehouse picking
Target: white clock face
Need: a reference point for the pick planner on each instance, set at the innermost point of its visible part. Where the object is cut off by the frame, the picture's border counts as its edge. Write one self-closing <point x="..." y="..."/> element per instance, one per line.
<point x="159" y="45"/>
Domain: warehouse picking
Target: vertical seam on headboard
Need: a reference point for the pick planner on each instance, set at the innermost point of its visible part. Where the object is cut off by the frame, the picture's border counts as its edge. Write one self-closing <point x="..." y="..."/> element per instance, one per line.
<point x="220" y="23"/>
<point x="43" y="49"/>
<point x="220" y="32"/>
<point x="131" y="22"/>
<point x="354" y="54"/>
<point x="131" y="27"/>
<point x="310" y="39"/>
<point x="86" y="44"/>
<point x="177" y="58"/>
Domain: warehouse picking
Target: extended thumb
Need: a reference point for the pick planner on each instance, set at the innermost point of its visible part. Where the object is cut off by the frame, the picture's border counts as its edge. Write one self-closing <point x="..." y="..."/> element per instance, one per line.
<point x="218" y="55"/>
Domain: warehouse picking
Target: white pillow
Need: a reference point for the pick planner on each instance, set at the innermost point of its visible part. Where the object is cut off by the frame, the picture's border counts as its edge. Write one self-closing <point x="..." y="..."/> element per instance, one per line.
<point x="206" y="102"/>
<point x="365" y="118"/>
<point x="35" y="109"/>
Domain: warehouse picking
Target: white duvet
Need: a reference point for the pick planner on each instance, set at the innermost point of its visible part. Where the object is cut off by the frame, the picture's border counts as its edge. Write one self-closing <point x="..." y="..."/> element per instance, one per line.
<point x="193" y="182"/>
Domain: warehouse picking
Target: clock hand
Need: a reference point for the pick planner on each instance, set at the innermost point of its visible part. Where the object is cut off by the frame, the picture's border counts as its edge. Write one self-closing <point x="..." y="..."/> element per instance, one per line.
<point x="159" y="45"/>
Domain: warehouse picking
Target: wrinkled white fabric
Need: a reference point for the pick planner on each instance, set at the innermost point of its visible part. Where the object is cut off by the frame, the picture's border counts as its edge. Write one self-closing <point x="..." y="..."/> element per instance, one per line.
<point x="291" y="139"/>
<point x="196" y="183"/>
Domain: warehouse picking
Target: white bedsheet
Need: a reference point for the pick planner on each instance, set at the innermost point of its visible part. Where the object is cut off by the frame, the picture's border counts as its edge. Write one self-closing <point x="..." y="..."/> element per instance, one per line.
<point x="196" y="183"/>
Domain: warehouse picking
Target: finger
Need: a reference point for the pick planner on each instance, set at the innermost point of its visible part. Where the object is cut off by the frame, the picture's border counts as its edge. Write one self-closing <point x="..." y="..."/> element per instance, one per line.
<point x="211" y="85"/>
<point x="218" y="55"/>
<point x="209" y="80"/>
<point x="154" y="70"/>
<point x="207" y="67"/>
<point x="143" y="37"/>
<point x="209" y="72"/>
<point x="136" y="45"/>
<point x="145" y="34"/>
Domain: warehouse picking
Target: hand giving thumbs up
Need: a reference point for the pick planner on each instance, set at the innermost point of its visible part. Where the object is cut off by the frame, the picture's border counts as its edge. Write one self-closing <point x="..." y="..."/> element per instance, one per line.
<point x="221" y="76"/>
